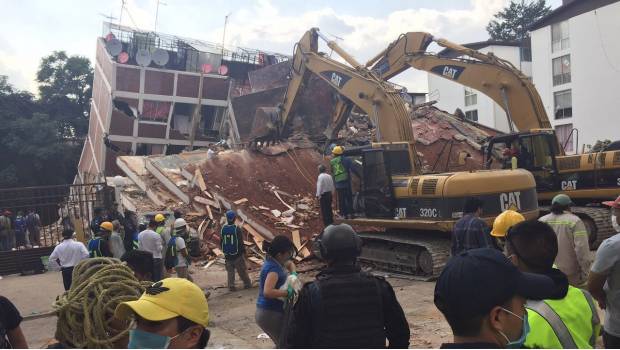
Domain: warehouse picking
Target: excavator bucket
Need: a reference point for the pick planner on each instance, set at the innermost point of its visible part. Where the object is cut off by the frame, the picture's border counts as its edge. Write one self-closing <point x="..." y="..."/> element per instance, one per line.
<point x="266" y="125"/>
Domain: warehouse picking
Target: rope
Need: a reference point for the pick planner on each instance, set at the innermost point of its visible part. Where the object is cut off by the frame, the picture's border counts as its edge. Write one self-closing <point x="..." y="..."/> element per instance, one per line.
<point x="299" y="168"/>
<point x="86" y="311"/>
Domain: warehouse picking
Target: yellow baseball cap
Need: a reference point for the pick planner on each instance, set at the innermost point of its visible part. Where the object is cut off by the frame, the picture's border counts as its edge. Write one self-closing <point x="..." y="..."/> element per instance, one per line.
<point x="166" y="299"/>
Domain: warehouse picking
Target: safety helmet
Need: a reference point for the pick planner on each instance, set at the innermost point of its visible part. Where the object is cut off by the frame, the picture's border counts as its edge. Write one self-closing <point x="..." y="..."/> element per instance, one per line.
<point x="338" y="150"/>
<point x="562" y="199"/>
<point x="504" y="221"/>
<point x="230" y="216"/>
<point x="106" y="225"/>
<point x="160" y="218"/>
<point x="180" y="222"/>
<point x="338" y="242"/>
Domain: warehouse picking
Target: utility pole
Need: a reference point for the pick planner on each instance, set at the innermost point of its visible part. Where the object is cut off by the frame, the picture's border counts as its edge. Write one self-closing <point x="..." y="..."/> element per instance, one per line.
<point x="224" y="35"/>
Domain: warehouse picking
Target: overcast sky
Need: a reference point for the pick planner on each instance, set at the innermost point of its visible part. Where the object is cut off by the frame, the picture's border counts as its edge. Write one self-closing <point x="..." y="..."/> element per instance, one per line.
<point x="31" y="29"/>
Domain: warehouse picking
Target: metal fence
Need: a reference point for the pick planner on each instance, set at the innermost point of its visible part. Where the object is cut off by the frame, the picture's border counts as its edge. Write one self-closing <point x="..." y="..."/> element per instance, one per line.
<point x="57" y="207"/>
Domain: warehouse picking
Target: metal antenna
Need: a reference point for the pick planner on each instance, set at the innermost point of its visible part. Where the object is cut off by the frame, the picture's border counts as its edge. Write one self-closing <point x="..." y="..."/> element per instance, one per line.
<point x="159" y="2"/>
<point x="224" y="34"/>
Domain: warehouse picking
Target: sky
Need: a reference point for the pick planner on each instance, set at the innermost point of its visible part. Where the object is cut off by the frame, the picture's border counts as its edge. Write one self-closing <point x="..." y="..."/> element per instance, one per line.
<point x="32" y="29"/>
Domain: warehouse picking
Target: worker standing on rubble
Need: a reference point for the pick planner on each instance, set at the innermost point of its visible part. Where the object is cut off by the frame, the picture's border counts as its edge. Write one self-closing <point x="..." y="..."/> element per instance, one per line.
<point x="269" y="305"/>
<point x="99" y="246"/>
<point x="233" y="248"/>
<point x="568" y="323"/>
<point x="165" y="233"/>
<point x="482" y="296"/>
<point x="573" y="247"/>
<point x="604" y="280"/>
<point x="177" y="256"/>
<point x="346" y="307"/>
<point x="470" y="232"/>
<point x="151" y="241"/>
<point x="341" y="171"/>
<point x="324" y="190"/>
<point x="67" y="254"/>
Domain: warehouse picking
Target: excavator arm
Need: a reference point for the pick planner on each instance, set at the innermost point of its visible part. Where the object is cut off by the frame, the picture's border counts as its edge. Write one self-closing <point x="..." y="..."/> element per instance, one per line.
<point x="355" y="84"/>
<point x="487" y="73"/>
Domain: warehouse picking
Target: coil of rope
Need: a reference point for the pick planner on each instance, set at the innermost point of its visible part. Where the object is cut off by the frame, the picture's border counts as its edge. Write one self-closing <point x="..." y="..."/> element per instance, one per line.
<point x="85" y="312"/>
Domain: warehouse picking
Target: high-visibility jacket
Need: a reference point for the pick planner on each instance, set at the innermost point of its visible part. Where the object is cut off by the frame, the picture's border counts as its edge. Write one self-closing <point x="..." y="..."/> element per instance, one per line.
<point x="568" y="323"/>
<point x="94" y="247"/>
<point x="339" y="172"/>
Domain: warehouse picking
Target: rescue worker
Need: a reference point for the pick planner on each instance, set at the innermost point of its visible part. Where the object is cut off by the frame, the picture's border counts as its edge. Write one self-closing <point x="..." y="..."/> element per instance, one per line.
<point x="604" y="280"/>
<point x="165" y="233"/>
<point x="482" y="296"/>
<point x="346" y="307"/>
<point x="67" y="254"/>
<point x="99" y="246"/>
<point x="95" y="223"/>
<point x="573" y="247"/>
<point x="568" y="323"/>
<point x="471" y="232"/>
<point x="177" y="249"/>
<point x="234" y="252"/>
<point x="341" y="172"/>
<point x="324" y="189"/>
<point x="502" y="224"/>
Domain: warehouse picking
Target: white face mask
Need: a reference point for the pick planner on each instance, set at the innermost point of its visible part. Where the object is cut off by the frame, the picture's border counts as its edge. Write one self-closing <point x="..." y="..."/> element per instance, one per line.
<point x="614" y="223"/>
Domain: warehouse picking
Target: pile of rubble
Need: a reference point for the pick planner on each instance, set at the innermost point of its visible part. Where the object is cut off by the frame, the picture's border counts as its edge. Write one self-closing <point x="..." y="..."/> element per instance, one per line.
<point x="272" y="195"/>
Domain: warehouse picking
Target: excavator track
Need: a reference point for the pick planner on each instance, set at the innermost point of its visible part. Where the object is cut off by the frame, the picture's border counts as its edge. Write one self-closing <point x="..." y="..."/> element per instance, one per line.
<point x="417" y="254"/>
<point x="597" y="221"/>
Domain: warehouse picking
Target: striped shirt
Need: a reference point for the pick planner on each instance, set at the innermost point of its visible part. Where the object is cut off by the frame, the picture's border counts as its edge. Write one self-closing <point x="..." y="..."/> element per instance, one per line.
<point x="573" y="247"/>
<point x="470" y="232"/>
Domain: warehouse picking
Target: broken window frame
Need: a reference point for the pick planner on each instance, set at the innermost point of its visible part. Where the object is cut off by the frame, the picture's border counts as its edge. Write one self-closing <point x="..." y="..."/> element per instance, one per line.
<point x="563" y="104"/>
<point x="560" y="70"/>
<point x="564" y="134"/>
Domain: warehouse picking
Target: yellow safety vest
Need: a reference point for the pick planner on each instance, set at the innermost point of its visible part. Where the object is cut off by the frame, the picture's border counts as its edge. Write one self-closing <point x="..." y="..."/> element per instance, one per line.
<point x="567" y="323"/>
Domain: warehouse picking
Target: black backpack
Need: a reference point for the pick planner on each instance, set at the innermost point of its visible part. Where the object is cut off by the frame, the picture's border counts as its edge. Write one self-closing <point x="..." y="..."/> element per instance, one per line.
<point x="171" y="260"/>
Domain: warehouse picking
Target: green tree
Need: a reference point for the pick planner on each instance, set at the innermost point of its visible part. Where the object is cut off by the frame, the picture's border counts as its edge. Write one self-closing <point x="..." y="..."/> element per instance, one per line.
<point x="34" y="152"/>
<point x="512" y="22"/>
<point x="65" y="89"/>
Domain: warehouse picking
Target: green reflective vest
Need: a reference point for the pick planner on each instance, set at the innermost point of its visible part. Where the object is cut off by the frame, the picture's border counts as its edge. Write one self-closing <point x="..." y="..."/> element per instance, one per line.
<point x="571" y="322"/>
<point x="338" y="171"/>
<point x="160" y="230"/>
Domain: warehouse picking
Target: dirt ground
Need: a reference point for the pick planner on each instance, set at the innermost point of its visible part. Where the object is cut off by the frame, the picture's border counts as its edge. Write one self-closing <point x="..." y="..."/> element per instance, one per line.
<point x="232" y="322"/>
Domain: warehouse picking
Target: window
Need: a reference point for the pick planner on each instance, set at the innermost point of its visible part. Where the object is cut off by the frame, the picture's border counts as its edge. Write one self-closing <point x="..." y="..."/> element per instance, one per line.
<point x="564" y="133"/>
<point x="472" y="115"/>
<point x="563" y="104"/>
<point x="559" y="36"/>
<point x="561" y="70"/>
<point x="525" y="54"/>
<point x="470" y="97"/>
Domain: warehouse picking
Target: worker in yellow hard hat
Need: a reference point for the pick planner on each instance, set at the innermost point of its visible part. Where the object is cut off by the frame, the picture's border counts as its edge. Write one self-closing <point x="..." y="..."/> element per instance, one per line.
<point x="502" y="223"/>
<point x="341" y="172"/>
<point x="99" y="246"/>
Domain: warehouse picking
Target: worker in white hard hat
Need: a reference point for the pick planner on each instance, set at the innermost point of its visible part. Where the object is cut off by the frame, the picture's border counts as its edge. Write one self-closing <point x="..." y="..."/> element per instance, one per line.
<point x="177" y="256"/>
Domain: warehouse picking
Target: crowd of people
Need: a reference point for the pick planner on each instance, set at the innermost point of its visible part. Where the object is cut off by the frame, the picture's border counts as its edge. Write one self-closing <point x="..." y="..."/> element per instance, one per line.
<point x="520" y="283"/>
<point x="19" y="230"/>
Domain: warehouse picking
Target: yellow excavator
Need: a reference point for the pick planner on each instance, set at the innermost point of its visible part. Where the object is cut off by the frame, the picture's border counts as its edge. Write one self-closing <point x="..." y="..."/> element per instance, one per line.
<point x="414" y="213"/>
<point x="588" y="178"/>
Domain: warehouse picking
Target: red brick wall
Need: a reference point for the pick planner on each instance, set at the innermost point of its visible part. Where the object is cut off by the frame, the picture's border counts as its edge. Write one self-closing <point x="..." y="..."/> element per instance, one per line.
<point x="127" y="79"/>
<point x="158" y="83"/>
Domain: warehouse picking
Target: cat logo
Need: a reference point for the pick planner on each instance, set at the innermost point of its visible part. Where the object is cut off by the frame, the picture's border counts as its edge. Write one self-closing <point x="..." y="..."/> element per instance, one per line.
<point x="569" y="185"/>
<point x="336" y="79"/>
<point x="448" y="71"/>
<point x="510" y="200"/>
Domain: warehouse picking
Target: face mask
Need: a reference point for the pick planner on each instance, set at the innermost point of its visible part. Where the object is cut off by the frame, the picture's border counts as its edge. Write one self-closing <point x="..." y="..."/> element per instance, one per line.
<point x="614" y="223"/>
<point x="525" y="330"/>
<point x="145" y="340"/>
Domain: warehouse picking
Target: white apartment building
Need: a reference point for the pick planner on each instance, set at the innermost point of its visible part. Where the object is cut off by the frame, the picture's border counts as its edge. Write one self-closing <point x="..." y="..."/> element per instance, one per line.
<point x="477" y="106"/>
<point x="576" y="70"/>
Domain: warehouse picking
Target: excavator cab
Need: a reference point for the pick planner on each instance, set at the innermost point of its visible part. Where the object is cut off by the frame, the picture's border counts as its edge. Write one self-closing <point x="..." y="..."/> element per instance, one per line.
<point x="535" y="151"/>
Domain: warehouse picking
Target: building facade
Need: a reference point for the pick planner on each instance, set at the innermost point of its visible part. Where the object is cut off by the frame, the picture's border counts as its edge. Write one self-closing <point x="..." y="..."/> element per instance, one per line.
<point x="475" y="105"/>
<point x="146" y="92"/>
<point x="576" y="70"/>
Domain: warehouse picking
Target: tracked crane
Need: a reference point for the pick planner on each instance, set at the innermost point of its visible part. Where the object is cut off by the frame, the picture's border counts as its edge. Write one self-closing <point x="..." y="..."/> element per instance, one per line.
<point x="587" y="178"/>
<point x="415" y="212"/>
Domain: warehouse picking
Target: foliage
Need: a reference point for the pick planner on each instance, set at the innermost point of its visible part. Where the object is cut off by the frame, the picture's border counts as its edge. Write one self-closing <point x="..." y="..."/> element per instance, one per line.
<point x="512" y="22"/>
<point x="32" y="150"/>
<point x="65" y="89"/>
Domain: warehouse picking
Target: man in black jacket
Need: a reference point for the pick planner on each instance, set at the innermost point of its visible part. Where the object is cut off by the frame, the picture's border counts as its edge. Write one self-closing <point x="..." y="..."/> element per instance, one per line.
<point x="345" y="307"/>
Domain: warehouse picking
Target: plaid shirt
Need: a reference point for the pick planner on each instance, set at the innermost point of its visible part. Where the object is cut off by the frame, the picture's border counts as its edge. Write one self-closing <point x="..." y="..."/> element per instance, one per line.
<point x="470" y="232"/>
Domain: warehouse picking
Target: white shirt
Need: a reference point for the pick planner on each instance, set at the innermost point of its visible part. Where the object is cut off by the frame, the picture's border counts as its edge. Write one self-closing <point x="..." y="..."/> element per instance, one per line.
<point x="151" y="241"/>
<point x="70" y="252"/>
<point x="324" y="183"/>
<point x="182" y="261"/>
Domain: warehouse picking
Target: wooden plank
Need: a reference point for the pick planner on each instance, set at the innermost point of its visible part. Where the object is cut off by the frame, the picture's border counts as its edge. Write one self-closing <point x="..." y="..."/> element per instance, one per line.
<point x="283" y="202"/>
<point x="217" y="252"/>
<point x="248" y="243"/>
<point x="208" y="194"/>
<point x="205" y="201"/>
<point x="209" y="212"/>
<point x="200" y="180"/>
<point x="240" y="201"/>
<point x="262" y="208"/>
<point x="209" y="264"/>
<point x="296" y="239"/>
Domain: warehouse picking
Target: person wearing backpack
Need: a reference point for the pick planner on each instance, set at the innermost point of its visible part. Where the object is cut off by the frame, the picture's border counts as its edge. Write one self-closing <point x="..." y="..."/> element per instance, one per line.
<point x="177" y="256"/>
<point x="20" y="230"/>
<point x="234" y="251"/>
